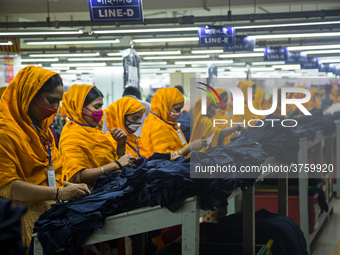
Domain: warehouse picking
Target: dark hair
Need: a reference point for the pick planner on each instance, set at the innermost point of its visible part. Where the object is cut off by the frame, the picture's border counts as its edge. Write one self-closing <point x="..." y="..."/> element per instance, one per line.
<point x="132" y="90"/>
<point x="51" y="84"/>
<point x="93" y="94"/>
<point x="180" y="88"/>
<point x="328" y="88"/>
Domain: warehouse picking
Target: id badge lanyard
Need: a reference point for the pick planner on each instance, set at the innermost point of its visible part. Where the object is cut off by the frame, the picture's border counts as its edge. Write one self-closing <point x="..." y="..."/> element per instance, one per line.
<point x="50" y="169"/>
<point x="177" y="130"/>
<point x="137" y="151"/>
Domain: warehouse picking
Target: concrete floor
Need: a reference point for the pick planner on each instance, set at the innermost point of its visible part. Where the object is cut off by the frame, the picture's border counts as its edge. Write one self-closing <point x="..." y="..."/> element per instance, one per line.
<point x="329" y="236"/>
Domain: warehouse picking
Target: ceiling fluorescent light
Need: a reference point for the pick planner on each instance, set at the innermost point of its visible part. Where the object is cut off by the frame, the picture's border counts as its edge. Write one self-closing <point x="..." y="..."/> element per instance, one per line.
<point x="314" y="47"/>
<point x="71" y="42"/>
<point x="79" y="65"/>
<point x="324" y="61"/>
<point x="166" y="66"/>
<point x="183" y="39"/>
<point x="153" y="63"/>
<point x="268" y="63"/>
<point x="149" y="70"/>
<point x="55" y="68"/>
<point x="299" y="35"/>
<point x="6" y="33"/>
<point x="23" y="66"/>
<point x="204" y="62"/>
<point x="39" y="60"/>
<point x="145" y="30"/>
<point x="175" y="52"/>
<point x="206" y="51"/>
<point x="262" y="69"/>
<point x="94" y="59"/>
<point x="65" y="55"/>
<point x="259" y="49"/>
<point x="4" y="43"/>
<point x="79" y="71"/>
<point x="289" y="25"/>
<point x="176" y="57"/>
<point x="242" y="55"/>
<point x="287" y="67"/>
<point x="322" y="51"/>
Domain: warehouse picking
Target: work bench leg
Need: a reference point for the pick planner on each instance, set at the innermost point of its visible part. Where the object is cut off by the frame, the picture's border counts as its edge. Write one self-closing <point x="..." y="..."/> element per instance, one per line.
<point x="190" y="229"/>
<point x="248" y="222"/>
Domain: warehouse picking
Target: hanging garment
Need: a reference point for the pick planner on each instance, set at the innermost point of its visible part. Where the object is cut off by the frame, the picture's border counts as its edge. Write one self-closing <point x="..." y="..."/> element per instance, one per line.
<point x="185" y="124"/>
<point x="131" y="60"/>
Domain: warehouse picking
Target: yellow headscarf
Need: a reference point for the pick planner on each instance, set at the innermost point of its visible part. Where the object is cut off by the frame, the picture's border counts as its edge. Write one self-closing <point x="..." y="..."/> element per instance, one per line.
<point x="334" y="94"/>
<point x="159" y="133"/>
<point x="202" y="125"/>
<point x="115" y="117"/>
<point x="248" y="115"/>
<point x="82" y="146"/>
<point x="312" y="103"/>
<point x="23" y="156"/>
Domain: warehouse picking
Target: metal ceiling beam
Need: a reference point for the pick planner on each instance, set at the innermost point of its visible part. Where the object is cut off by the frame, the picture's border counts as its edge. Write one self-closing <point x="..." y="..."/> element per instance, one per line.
<point x="181" y="20"/>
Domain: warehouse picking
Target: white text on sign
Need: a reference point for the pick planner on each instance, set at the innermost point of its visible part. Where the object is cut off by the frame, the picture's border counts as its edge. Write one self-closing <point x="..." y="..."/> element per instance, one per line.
<point x="115" y="13"/>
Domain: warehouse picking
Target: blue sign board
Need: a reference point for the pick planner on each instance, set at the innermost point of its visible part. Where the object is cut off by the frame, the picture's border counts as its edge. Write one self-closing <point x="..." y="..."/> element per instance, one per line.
<point x="216" y="36"/>
<point x="274" y="54"/>
<point x="116" y="10"/>
<point x="242" y="43"/>
<point x="312" y="63"/>
<point x="297" y="57"/>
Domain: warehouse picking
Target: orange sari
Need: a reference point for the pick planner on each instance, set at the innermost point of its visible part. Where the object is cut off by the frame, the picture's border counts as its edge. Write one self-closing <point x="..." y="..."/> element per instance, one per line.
<point x="115" y="117"/>
<point x="81" y="146"/>
<point x="23" y="155"/>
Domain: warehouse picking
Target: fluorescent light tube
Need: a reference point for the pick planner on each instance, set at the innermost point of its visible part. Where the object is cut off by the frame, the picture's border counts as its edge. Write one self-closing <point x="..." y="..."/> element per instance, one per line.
<point x="268" y="63"/>
<point x="183" y="39"/>
<point x="204" y="62"/>
<point x="145" y="30"/>
<point x="176" y="57"/>
<point x="71" y="42"/>
<point x="3" y="33"/>
<point x="64" y="55"/>
<point x="242" y="55"/>
<point x="206" y="51"/>
<point x="39" y="60"/>
<point x="3" y="43"/>
<point x="153" y="63"/>
<point x="289" y="25"/>
<point x="94" y="59"/>
<point x="300" y="35"/>
<point x="79" y="65"/>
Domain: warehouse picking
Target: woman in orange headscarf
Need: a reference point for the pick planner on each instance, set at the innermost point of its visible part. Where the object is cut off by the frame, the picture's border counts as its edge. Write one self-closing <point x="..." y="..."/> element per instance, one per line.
<point x="27" y="149"/>
<point x="203" y="125"/>
<point x="334" y="94"/>
<point x="248" y="115"/>
<point x="88" y="153"/>
<point x="313" y="102"/>
<point x="126" y="114"/>
<point x="160" y="130"/>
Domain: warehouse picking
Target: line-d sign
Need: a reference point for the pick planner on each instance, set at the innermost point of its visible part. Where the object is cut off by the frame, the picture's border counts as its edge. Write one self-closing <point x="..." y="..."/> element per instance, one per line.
<point x="116" y="10"/>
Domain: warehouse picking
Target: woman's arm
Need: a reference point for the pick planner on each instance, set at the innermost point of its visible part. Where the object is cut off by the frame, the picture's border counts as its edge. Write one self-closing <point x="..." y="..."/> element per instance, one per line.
<point x="27" y="192"/>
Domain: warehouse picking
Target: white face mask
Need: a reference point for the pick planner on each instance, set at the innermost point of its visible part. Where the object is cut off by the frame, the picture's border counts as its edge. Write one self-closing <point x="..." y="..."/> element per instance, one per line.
<point x="214" y="109"/>
<point x="134" y="127"/>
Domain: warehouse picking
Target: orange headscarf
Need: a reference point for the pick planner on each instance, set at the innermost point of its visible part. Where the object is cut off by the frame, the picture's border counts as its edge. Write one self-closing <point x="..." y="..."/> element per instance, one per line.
<point x="2" y="90"/>
<point x="23" y="156"/>
<point x="297" y="96"/>
<point x="82" y="146"/>
<point x="248" y="115"/>
<point x="159" y="133"/>
<point x="203" y="126"/>
<point x="115" y="117"/>
<point x="334" y="94"/>
<point x="312" y="103"/>
<point x="277" y="112"/>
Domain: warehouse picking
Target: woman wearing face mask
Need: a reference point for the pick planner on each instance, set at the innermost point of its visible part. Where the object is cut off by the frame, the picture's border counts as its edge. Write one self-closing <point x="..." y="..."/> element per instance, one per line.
<point x="160" y="131"/>
<point x="222" y="113"/>
<point x="88" y="153"/>
<point x="31" y="166"/>
<point x="203" y="125"/>
<point x="126" y="114"/>
<point x="313" y="102"/>
<point x="248" y="115"/>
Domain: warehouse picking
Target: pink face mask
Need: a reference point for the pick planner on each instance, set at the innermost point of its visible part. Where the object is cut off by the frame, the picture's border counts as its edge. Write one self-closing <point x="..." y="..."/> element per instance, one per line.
<point x="174" y="116"/>
<point x="96" y="115"/>
<point x="224" y="106"/>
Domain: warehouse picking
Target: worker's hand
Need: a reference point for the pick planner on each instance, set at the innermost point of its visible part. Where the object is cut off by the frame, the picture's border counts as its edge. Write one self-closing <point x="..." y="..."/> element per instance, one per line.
<point x="241" y="128"/>
<point x="73" y="191"/>
<point x="119" y="135"/>
<point x="127" y="160"/>
<point x="198" y="144"/>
